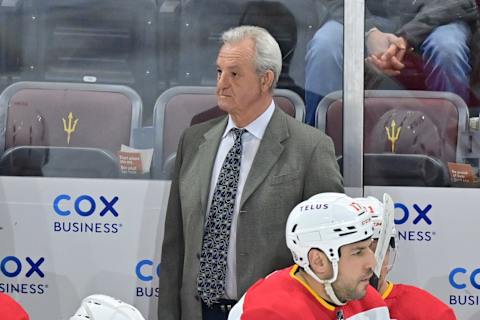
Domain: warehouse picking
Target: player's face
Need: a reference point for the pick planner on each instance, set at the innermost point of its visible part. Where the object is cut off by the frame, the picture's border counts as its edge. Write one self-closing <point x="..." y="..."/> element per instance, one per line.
<point x="354" y="270"/>
<point x="238" y="84"/>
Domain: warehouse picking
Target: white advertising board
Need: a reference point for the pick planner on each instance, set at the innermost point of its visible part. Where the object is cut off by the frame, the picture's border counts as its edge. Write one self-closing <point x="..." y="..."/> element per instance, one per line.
<point x="64" y="239"/>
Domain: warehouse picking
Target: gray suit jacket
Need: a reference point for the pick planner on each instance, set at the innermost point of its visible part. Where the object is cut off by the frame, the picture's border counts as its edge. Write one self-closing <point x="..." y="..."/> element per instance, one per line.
<point x="293" y="162"/>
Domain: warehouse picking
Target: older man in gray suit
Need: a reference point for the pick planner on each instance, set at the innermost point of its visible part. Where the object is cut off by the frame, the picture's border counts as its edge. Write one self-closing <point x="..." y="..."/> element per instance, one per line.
<point x="236" y="179"/>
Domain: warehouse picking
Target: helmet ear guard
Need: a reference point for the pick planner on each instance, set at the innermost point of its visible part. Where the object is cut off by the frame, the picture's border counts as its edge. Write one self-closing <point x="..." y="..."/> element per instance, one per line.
<point x="326" y="222"/>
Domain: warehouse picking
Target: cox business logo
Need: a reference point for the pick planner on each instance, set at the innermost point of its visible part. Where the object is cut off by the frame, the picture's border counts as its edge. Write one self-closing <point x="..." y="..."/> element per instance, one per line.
<point x="145" y="271"/>
<point x="22" y="275"/>
<point x="86" y="214"/>
<point x="467" y="280"/>
<point x="418" y="220"/>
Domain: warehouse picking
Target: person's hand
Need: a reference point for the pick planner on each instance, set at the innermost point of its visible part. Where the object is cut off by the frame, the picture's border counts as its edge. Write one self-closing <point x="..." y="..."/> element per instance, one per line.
<point x="390" y="67"/>
<point x="396" y="51"/>
<point x="381" y="43"/>
<point x="386" y="52"/>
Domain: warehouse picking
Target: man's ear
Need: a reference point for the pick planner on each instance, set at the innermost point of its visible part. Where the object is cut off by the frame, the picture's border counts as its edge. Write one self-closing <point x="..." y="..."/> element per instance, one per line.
<point x="266" y="80"/>
<point x="319" y="263"/>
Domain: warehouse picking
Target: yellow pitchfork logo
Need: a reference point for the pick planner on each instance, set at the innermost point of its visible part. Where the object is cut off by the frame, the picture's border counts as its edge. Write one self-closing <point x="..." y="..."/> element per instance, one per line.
<point x="71" y="127"/>
<point x="393" y="135"/>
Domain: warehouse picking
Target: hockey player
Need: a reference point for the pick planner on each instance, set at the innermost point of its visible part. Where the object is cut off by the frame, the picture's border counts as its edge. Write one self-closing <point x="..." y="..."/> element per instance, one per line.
<point x="404" y="302"/>
<point x="329" y="236"/>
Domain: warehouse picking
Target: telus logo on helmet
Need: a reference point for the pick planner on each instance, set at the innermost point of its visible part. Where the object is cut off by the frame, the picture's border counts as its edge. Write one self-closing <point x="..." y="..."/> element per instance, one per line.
<point x="311" y="207"/>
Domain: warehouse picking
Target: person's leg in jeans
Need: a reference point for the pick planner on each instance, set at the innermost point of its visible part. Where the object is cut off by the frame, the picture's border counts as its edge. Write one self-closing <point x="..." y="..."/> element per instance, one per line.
<point x="324" y="65"/>
<point x="446" y="56"/>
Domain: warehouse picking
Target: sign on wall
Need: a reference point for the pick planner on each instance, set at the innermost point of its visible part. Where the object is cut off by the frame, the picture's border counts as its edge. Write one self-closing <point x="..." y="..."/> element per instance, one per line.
<point x="64" y="239"/>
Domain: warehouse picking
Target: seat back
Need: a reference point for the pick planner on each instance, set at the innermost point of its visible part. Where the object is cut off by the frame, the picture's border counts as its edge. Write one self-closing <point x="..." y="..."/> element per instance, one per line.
<point x="446" y="111"/>
<point x="177" y="107"/>
<point x="68" y="115"/>
<point x="387" y="169"/>
<point x="59" y="162"/>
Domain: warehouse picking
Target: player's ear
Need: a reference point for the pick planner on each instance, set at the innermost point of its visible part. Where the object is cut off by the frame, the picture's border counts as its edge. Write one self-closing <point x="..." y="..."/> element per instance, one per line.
<point x="266" y="80"/>
<point x="319" y="263"/>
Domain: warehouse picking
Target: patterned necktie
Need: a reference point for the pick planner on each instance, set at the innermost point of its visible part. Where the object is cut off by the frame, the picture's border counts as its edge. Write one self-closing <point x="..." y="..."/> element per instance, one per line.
<point x="213" y="260"/>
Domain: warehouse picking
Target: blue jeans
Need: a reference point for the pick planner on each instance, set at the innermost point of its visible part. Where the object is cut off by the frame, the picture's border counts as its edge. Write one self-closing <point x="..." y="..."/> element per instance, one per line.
<point x="445" y="53"/>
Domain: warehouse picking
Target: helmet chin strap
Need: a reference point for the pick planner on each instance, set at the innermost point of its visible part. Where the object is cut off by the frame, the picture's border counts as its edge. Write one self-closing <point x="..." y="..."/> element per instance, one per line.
<point x="332" y="295"/>
<point x="327" y="283"/>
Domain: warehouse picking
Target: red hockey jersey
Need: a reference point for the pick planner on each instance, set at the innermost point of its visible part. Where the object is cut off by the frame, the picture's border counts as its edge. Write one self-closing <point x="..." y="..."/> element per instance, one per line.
<point x="284" y="296"/>
<point x="411" y="303"/>
<point x="11" y="310"/>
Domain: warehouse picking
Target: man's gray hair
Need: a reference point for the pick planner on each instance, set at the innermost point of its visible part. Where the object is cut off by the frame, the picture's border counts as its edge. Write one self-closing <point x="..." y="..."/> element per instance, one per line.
<point x="267" y="51"/>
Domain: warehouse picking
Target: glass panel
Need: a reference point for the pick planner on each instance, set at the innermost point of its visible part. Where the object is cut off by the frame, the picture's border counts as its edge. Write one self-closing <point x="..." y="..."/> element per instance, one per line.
<point x="126" y="61"/>
<point x="421" y="72"/>
<point x="324" y="74"/>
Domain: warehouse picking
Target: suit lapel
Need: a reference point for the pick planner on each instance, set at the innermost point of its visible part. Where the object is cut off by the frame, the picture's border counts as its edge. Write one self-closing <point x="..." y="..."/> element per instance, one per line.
<point x="207" y="151"/>
<point x="268" y="153"/>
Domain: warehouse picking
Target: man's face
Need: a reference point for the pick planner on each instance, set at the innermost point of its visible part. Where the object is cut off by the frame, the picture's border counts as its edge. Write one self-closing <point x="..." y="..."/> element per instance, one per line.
<point x="238" y="84"/>
<point x="354" y="271"/>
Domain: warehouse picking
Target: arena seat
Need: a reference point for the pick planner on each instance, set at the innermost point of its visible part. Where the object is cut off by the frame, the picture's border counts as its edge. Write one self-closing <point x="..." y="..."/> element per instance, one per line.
<point x="59" y="162"/>
<point x="67" y="115"/>
<point x="442" y="116"/>
<point x="386" y="169"/>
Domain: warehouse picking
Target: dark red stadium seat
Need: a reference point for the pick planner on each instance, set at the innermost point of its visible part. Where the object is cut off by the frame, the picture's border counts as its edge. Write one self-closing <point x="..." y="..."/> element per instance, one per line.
<point x="49" y="125"/>
<point x="437" y="133"/>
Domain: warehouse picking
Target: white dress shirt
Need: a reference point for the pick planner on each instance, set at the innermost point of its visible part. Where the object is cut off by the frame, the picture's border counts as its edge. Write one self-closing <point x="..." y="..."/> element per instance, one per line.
<point x="250" y="143"/>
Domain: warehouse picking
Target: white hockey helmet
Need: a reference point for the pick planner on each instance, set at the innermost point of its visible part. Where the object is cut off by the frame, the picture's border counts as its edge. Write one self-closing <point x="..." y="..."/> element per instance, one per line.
<point x="102" y="307"/>
<point x="375" y="207"/>
<point x="327" y="223"/>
